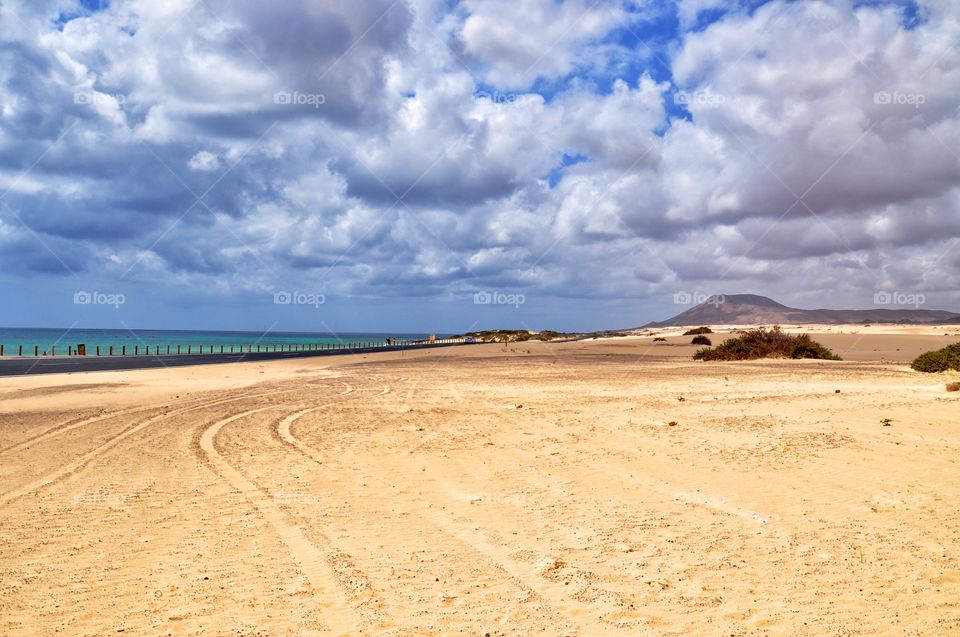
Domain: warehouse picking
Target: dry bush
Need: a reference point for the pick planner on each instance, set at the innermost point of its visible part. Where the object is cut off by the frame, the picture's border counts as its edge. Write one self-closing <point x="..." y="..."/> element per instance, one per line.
<point x="764" y="343"/>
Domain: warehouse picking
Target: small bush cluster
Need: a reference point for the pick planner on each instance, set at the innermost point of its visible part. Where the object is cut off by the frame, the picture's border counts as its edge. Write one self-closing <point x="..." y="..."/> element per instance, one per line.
<point x="516" y="336"/>
<point x="700" y="339"/>
<point x="698" y="330"/>
<point x="659" y="339"/>
<point x="764" y="343"/>
<point x="938" y="360"/>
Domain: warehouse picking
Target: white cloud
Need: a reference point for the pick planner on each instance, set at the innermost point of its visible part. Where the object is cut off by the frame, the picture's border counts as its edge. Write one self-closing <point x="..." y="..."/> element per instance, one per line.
<point x="782" y="101"/>
<point x="204" y="161"/>
<point x="518" y="41"/>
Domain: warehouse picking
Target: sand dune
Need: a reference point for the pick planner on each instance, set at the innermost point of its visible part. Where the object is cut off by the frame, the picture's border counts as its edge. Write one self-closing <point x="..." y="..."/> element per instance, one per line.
<point x="609" y="487"/>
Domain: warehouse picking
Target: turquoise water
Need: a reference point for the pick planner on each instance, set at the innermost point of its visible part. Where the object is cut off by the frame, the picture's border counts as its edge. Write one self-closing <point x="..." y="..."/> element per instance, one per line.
<point x="46" y="339"/>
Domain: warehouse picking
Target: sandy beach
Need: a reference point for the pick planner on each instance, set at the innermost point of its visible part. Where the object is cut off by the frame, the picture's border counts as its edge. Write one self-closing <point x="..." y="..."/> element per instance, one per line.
<point x="611" y="487"/>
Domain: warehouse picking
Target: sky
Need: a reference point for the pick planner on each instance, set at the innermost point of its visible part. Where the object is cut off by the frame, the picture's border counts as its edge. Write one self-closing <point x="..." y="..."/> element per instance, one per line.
<point x="445" y="165"/>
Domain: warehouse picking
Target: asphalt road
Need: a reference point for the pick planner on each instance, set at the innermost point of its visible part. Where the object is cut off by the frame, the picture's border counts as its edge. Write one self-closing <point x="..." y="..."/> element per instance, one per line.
<point x="68" y="364"/>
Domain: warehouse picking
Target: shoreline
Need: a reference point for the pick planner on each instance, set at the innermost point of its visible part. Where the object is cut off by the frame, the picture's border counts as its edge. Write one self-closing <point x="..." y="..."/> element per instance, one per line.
<point x="33" y="365"/>
<point x="884" y="343"/>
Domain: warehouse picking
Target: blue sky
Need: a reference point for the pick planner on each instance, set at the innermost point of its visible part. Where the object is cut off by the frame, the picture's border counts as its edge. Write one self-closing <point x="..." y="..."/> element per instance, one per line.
<point x="432" y="165"/>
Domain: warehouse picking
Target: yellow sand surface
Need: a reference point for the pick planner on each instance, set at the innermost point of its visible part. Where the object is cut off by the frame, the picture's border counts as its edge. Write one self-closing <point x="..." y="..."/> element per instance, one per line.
<point x="611" y="487"/>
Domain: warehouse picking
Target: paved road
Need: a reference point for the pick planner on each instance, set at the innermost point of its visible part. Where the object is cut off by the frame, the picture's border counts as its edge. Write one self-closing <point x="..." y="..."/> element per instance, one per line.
<point x="66" y="364"/>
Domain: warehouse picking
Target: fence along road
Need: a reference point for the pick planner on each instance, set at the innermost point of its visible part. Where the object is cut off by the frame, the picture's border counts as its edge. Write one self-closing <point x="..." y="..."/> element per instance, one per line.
<point x="68" y="364"/>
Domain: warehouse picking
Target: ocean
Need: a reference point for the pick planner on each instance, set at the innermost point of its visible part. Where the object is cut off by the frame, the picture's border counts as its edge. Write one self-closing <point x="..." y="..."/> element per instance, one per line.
<point x="45" y="339"/>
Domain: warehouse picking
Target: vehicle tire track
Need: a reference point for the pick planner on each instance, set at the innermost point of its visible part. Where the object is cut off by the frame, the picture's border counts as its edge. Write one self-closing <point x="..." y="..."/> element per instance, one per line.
<point x="74" y="423"/>
<point x="553" y="595"/>
<point x="68" y="425"/>
<point x="313" y="562"/>
<point x="283" y="426"/>
<point x="79" y="463"/>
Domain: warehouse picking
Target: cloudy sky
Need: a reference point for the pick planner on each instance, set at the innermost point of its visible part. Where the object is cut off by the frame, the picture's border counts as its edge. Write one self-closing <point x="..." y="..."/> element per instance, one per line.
<point x="447" y="165"/>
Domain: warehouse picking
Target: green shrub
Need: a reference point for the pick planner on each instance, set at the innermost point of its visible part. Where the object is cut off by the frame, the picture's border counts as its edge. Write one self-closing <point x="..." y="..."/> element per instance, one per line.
<point x="698" y="330"/>
<point x="938" y="360"/>
<point x="764" y="343"/>
<point x="700" y="339"/>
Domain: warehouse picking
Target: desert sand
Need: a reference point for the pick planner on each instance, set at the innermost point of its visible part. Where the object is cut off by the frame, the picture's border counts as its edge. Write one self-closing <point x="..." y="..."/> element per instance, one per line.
<point x="610" y="487"/>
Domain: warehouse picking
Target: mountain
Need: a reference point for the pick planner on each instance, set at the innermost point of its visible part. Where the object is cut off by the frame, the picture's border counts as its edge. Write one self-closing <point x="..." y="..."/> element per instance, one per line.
<point x="752" y="309"/>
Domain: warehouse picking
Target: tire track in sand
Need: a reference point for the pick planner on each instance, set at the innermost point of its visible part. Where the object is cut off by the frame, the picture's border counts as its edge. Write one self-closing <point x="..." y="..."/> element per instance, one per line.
<point x="283" y="427"/>
<point x="312" y="561"/>
<point x="74" y="423"/>
<point x="69" y="425"/>
<point x="79" y="463"/>
<point x="526" y="576"/>
<point x="345" y="569"/>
